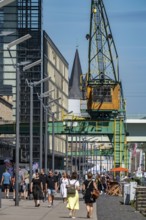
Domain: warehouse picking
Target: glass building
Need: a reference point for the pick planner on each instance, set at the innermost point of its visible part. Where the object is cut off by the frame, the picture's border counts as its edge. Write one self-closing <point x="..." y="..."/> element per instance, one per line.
<point x="17" y="19"/>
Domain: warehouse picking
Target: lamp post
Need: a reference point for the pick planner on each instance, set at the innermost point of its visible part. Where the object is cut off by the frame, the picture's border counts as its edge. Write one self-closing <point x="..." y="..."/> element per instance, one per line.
<point x="41" y="120"/>
<point x="47" y="112"/>
<point x="66" y="149"/>
<point x="66" y="143"/>
<point x="46" y="139"/>
<point x="71" y="154"/>
<point x="87" y="155"/>
<point x="31" y="85"/>
<point x="96" y="158"/>
<point x="53" y="139"/>
<point x="80" y="155"/>
<point x="16" y="66"/>
<point x="84" y="154"/>
<point x="76" y="154"/>
<point x="53" y="136"/>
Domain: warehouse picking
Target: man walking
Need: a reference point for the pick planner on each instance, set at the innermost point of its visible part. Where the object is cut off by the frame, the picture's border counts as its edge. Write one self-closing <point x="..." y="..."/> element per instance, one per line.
<point x="6" y="180"/>
<point x="43" y="178"/>
<point x="51" y="185"/>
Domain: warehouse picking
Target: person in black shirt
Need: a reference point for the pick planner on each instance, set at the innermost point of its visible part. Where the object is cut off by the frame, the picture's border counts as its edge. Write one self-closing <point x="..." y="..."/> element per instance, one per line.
<point x="36" y="189"/>
<point x="43" y="178"/>
<point x="51" y="185"/>
<point x="88" y="186"/>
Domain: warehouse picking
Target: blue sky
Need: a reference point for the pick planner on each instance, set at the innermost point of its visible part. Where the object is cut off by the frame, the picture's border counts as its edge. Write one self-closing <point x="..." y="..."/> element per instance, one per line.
<point x="67" y="23"/>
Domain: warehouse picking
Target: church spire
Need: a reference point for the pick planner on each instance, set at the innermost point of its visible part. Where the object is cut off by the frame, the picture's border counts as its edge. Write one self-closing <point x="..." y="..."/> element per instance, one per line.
<point x="74" y="81"/>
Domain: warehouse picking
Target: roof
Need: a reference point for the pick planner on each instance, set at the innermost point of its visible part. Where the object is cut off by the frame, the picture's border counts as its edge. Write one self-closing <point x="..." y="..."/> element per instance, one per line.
<point x="74" y="81"/>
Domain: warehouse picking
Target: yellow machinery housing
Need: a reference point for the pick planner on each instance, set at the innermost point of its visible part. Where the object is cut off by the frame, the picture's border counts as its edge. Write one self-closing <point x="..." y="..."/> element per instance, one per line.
<point x="103" y="97"/>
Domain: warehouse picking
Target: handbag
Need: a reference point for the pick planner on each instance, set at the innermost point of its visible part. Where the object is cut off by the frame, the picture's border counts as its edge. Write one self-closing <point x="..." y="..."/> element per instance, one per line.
<point x="95" y="194"/>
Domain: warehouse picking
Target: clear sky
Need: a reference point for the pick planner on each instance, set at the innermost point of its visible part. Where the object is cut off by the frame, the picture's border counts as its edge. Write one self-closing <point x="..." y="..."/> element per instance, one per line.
<point x="67" y="23"/>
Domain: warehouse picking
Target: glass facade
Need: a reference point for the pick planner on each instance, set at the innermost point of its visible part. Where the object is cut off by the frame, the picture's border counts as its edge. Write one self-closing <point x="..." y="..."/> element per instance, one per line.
<point x="20" y="18"/>
<point x="16" y="20"/>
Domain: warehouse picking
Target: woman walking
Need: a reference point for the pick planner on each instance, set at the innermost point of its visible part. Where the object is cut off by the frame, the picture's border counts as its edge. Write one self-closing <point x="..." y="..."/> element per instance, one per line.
<point x="73" y="199"/>
<point x="63" y="183"/>
<point x="88" y="187"/>
<point x="99" y="183"/>
<point x="36" y="188"/>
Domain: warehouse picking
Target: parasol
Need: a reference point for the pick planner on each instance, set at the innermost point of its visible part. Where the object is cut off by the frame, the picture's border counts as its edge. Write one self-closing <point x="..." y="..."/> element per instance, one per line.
<point x="119" y="169"/>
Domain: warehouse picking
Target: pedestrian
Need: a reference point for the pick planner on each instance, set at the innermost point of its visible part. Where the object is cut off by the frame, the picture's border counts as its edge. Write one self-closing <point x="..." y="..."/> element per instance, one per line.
<point x="20" y="182"/>
<point x="36" y="188"/>
<point x="104" y="183"/>
<point x="26" y="185"/>
<point x="88" y="186"/>
<point x="43" y="178"/>
<point x="51" y="187"/>
<point x="63" y="183"/>
<point x="57" y="178"/>
<point x="99" y="183"/>
<point x="6" y="181"/>
<point x="73" y="199"/>
<point x="13" y="184"/>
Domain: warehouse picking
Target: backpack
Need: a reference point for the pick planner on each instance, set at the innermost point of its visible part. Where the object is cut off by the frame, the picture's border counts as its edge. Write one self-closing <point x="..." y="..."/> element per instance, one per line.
<point x="71" y="189"/>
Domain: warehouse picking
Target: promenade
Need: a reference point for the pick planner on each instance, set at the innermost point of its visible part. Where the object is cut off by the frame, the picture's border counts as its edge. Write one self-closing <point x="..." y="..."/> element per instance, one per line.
<point x="26" y="210"/>
<point x="106" y="208"/>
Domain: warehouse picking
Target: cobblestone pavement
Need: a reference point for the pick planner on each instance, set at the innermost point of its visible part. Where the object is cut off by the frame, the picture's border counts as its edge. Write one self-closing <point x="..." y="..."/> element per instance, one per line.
<point x="111" y="208"/>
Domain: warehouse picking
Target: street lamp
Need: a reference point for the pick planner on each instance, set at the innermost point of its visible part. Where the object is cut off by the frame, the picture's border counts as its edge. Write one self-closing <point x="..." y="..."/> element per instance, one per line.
<point x="84" y="154"/>
<point x="71" y="154"/>
<point x="18" y="41"/>
<point x="6" y="33"/>
<point x="80" y="156"/>
<point x="31" y="85"/>
<point x="46" y="134"/>
<point x="32" y="65"/>
<point x="16" y="66"/>
<point x="53" y="137"/>
<point x="5" y="2"/>
<point x="66" y="143"/>
<point x="76" y="155"/>
<point x="66" y="149"/>
<point x="47" y="108"/>
<point x="52" y="114"/>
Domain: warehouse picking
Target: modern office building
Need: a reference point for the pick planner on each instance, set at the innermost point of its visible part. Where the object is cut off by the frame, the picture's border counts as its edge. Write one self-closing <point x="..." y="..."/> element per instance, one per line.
<point x="17" y="19"/>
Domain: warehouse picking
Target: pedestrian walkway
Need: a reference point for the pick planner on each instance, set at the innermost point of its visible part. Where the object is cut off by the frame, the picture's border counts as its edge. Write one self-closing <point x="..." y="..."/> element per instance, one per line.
<point x="27" y="211"/>
<point x="107" y="208"/>
<point x="112" y="208"/>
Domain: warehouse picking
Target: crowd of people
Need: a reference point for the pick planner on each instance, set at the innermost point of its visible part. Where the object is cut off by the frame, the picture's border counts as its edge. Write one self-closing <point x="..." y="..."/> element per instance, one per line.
<point x="44" y="187"/>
